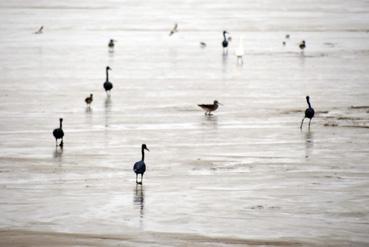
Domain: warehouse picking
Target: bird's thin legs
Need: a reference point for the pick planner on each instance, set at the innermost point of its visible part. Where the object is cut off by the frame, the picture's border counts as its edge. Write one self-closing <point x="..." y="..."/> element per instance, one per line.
<point x="56" y="142"/>
<point x="136" y="178"/>
<point x="309" y="123"/>
<point x="302" y="122"/>
<point x="142" y="178"/>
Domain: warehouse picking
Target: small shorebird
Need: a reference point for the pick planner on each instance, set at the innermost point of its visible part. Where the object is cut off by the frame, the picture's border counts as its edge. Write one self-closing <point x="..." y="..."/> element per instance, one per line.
<point x="225" y="42"/>
<point x="39" y="30"/>
<point x="208" y="108"/>
<point x="89" y="100"/>
<point x="107" y="84"/>
<point x="284" y="43"/>
<point x="59" y="133"/>
<point x="202" y="44"/>
<point x="174" y="29"/>
<point x="111" y="44"/>
<point x="309" y="112"/>
<point x="287" y="36"/>
<point x="140" y="167"/>
<point x="302" y="45"/>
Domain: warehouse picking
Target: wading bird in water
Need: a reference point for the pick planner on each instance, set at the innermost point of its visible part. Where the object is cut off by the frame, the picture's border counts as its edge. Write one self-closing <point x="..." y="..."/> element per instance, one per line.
<point x="89" y="100"/>
<point x="111" y="44"/>
<point x="140" y="167"/>
<point x="208" y="108"/>
<point x="59" y="133"/>
<point x="309" y="112"/>
<point x="107" y="84"/>
<point x="174" y="29"/>
<point x="225" y="42"/>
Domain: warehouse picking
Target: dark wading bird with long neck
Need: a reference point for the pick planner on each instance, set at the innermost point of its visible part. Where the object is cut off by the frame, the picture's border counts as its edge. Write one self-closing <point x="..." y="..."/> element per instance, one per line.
<point x="208" y="108"/>
<point x="59" y="133"/>
<point x="107" y="84"/>
<point x="309" y="112"/>
<point x="225" y="42"/>
<point x="139" y="167"/>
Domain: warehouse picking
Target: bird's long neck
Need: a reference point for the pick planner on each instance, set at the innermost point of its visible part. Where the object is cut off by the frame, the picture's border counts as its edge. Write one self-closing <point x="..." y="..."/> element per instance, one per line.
<point x="60" y="124"/>
<point x="224" y="35"/>
<point x="143" y="154"/>
<point x="107" y="75"/>
<point x="308" y="101"/>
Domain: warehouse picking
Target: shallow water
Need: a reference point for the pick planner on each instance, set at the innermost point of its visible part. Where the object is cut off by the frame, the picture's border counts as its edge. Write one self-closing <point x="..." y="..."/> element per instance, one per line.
<point x="247" y="172"/>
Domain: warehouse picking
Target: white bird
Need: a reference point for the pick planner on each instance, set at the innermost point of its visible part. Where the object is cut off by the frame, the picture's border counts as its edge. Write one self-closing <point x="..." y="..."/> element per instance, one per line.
<point x="240" y="52"/>
<point x="174" y="29"/>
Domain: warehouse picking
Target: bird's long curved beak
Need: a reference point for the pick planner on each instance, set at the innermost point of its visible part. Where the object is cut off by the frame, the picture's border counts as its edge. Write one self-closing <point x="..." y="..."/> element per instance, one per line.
<point x="147" y="149"/>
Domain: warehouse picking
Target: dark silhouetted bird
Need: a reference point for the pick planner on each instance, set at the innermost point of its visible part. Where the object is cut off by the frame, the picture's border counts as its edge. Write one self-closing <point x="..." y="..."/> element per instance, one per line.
<point x="174" y="29"/>
<point x="107" y="84"/>
<point x="139" y="167"/>
<point x="208" y="108"/>
<point x="59" y="133"/>
<point x="111" y="43"/>
<point x="309" y="112"/>
<point x="202" y="44"/>
<point x="89" y="100"/>
<point x="225" y="42"/>
<point x="302" y="45"/>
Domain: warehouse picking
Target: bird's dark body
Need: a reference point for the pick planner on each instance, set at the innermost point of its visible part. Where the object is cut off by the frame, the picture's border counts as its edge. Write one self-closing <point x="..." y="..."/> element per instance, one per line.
<point x="225" y="43"/>
<point x="139" y="167"/>
<point x="309" y="113"/>
<point x="58" y="133"/>
<point x="302" y="45"/>
<point x="209" y="107"/>
<point x="108" y="86"/>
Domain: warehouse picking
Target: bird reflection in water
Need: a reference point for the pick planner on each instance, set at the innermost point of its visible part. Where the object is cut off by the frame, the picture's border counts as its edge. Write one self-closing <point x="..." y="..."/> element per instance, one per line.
<point x="139" y="199"/>
<point x="210" y="121"/>
<point x="58" y="153"/>
<point x="107" y="105"/>
<point x="309" y="143"/>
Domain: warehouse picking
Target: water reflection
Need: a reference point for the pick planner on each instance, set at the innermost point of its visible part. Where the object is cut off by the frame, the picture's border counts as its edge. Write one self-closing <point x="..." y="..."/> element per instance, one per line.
<point x="88" y="109"/>
<point x="139" y="198"/>
<point x="108" y="105"/>
<point x="210" y="121"/>
<point x="58" y="153"/>
<point x="309" y="143"/>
